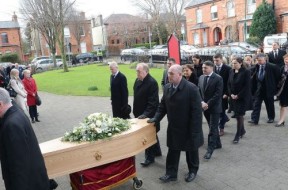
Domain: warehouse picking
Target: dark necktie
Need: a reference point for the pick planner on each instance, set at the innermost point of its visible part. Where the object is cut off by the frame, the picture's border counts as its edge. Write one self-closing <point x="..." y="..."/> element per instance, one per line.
<point x="205" y="82"/>
<point x="261" y="73"/>
<point x="218" y="70"/>
<point x="275" y="54"/>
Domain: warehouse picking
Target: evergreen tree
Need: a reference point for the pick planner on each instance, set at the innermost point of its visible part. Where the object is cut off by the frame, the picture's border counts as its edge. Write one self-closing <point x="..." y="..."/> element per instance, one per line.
<point x="264" y="21"/>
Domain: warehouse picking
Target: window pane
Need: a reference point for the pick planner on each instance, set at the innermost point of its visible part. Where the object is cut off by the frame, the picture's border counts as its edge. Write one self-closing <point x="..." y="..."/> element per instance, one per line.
<point x="4" y="38"/>
<point x="199" y="16"/>
<point x="214" y="9"/>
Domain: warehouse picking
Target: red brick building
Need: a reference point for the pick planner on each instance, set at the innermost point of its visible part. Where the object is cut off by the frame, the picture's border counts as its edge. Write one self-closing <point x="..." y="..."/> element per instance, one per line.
<point x="72" y="31"/>
<point x="210" y="21"/>
<point x="124" y="30"/>
<point x="10" y="37"/>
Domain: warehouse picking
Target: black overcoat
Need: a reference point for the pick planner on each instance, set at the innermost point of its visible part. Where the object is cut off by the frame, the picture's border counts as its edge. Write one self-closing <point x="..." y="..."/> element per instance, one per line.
<point x="224" y="73"/>
<point x="272" y="77"/>
<point x="22" y="162"/>
<point x="119" y="95"/>
<point x="146" y="97"/>
<point x="184" y="113"/>
<point x="279" y="61"/>
<point x="239" y="84"/>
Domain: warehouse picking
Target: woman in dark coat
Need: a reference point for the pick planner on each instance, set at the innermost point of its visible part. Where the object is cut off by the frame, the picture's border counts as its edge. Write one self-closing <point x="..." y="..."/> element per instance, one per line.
<point x="197" y="62"/>
<point x="239" y="91"/>
<point x="283" y="94"/>
<point x="189" y="74"/>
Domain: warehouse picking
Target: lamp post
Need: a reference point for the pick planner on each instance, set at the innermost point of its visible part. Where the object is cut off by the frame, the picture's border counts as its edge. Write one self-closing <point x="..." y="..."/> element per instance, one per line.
<point x="150" y="34"/>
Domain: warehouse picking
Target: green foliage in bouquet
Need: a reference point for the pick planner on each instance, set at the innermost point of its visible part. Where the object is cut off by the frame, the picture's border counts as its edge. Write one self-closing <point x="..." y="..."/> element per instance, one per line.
<point x="97" y="126"/>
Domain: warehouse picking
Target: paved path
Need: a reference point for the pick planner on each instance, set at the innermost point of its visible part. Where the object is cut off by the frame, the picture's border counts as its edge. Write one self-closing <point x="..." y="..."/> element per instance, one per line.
<point x="259" y="161"/>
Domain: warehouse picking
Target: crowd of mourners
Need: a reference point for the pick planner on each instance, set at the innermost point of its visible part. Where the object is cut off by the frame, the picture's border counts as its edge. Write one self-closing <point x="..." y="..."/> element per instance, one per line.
<point x="208" y="88"/>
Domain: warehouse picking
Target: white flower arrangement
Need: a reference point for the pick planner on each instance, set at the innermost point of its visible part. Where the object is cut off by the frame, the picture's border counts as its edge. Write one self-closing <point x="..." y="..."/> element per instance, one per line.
<point x="97" y="126"/>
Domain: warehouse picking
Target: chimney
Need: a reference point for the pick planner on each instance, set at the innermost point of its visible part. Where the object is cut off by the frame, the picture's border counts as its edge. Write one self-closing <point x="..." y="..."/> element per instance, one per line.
<point x="82" y="14"/>
<point x="14" y="18"/>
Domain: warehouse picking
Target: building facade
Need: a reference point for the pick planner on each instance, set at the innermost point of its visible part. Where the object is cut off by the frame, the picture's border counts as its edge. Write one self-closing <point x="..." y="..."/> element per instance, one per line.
<point x="10" y="41"/>
<point x="124" y="31"/>
<point x="77" y="36"/>
<point x="211" y="21"/>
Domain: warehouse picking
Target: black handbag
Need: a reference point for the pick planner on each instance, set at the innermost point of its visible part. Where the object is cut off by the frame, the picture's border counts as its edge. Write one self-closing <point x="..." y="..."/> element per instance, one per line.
<point x="38" y="100"/>
<point x="11" y="91"/>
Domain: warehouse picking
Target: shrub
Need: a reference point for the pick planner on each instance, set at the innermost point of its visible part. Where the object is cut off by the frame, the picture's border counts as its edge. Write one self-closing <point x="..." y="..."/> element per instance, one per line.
<point x="10" y="57"/>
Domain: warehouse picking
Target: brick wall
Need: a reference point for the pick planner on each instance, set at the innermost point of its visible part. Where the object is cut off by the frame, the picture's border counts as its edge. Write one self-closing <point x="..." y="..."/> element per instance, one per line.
<point x="14" y="42"/>
<point x="234" y="24"/>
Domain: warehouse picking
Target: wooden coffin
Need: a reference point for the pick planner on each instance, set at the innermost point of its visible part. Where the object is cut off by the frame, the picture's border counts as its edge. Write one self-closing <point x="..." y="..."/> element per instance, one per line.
<point x="62" y="158"/>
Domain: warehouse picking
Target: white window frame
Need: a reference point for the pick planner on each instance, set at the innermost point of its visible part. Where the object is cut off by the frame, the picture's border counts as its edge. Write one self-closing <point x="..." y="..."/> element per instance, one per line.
<point x="199" y="16"/>
<point x="83" y="47"/>
<point x="251" y="6"/>
<point x="196" y="38"/>
<point x="81" y="30"/>
<point x="214" y="12"/>
<point x="230" y="8"/>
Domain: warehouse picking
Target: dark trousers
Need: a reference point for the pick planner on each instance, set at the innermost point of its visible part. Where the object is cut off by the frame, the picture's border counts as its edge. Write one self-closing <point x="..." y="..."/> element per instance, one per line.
<point x="213" y="136"/>
<point x="223" y="119"/>
<point x="33" y="112"/>
<point x="270" y="108"/>
<point x="153" y="150"/>
<point x="172" y="161"/>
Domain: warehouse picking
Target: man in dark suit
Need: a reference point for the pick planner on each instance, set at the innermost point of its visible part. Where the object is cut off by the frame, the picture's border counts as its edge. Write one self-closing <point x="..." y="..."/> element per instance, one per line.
<point x="119" y="92"/>
<point x="223" y="70"/>
<point x="182" y="103"/>
<point x="170" y="61"/>
<point x="211" y="89"/>
<point x="22" y="162"/>
<point x="146" y="101"/>
<point x="276" y="55"/>
<point x="265" y="80"/>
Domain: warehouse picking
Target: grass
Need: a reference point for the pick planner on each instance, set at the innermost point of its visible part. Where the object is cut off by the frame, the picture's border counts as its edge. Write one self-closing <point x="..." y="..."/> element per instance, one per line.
<point x="88" y="80"/>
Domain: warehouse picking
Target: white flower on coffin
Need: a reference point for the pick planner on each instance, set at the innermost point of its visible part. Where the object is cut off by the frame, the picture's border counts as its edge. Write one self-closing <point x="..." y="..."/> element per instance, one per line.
<point x="96" y="126"/>
<point x="98" y="123"/>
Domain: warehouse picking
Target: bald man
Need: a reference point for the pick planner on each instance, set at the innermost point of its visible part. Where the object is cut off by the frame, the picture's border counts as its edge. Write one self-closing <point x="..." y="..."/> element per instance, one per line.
<point x="181" y="102"/>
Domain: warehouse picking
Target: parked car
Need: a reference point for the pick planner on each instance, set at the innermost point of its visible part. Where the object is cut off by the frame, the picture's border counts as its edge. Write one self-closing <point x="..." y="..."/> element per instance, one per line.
<point x="39" y="58"/>
<point x="85" y="57"/>
<point x="132" y="54"/>
<point x="225" y="50"/>
<point x="46" y="64"/>
<point x="245" y="45"/>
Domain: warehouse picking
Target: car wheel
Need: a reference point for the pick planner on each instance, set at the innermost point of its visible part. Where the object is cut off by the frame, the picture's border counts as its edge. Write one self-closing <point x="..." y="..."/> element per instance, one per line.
<point x="61" y="65"/>
<point x="39" y="70"/>
<point x="81" y="61"/>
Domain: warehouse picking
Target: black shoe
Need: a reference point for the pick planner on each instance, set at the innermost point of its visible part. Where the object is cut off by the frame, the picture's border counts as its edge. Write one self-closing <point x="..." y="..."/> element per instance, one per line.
<point x="190" y="177"/>
<point x="270" y="121"/>
<point x="236" y="140"/>
<point x="280" y="125"/>
<point x="208" y="155"/>
<point x="167" y="178"/>
<point x="53" y="184"/>
<point x="219" y="146"/>
<point x="253" y="122"/>
<point x="147" y="163"/>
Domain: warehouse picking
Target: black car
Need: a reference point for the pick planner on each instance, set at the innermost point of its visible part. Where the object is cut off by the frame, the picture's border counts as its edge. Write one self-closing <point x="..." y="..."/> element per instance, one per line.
<point x="85" y="57"/>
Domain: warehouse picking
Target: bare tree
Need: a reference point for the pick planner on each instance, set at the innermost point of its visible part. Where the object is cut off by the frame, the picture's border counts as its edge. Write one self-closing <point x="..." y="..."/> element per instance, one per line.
<point x="77" y="26"/>
<point x="174" y="9"/>
<point x="45" y="16"/>
<point x="153" y="8"/>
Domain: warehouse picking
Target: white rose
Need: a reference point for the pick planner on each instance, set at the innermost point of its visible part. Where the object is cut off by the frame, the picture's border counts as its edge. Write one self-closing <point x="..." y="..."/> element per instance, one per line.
<point x="98" y="123"/>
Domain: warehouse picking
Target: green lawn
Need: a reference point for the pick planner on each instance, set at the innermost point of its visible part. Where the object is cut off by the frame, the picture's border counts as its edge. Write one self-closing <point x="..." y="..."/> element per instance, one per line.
<point x="79" y="79"/>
